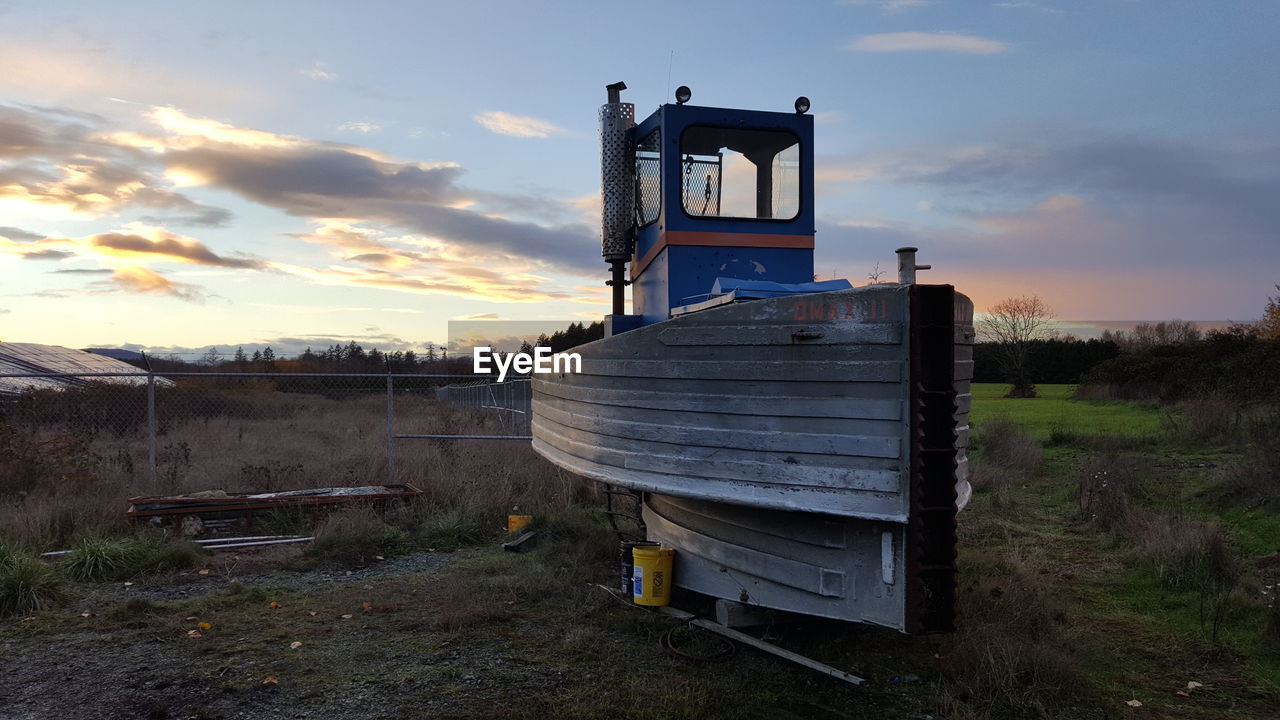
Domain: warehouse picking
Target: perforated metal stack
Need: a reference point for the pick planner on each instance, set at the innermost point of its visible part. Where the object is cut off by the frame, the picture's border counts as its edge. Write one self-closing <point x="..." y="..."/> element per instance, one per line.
<point x="617" y="180"/>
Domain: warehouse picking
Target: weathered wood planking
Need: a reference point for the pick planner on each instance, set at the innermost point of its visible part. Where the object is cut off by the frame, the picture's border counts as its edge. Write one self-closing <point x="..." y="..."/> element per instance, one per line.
<point x="771" y="438"/>
<point x="795" y="403"/>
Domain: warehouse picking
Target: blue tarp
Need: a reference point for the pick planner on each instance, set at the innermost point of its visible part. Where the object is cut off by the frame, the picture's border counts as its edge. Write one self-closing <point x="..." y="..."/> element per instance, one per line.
<point x="754" y="289"/>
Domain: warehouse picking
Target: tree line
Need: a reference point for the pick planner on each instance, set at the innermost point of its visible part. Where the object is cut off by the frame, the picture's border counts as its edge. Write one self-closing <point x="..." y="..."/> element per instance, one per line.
<point x="354" y="358"/>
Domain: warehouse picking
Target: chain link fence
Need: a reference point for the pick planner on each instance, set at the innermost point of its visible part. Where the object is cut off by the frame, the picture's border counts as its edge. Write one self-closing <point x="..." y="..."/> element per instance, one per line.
<point x="262" y="431"/>
<point x="509" y="401"/>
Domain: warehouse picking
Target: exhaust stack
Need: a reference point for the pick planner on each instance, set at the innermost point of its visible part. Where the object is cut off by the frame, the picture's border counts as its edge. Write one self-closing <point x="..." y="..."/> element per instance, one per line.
<point x="617" y="189"/>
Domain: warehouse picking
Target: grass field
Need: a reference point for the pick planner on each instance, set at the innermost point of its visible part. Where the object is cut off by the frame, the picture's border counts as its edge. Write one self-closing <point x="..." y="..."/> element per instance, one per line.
<point x="1057" y="410"/>
<point x="1104" y="563"/>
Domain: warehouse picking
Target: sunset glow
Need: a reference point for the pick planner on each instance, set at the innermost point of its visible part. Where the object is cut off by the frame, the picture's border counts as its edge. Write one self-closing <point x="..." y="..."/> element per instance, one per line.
<point x="297" y="171"/>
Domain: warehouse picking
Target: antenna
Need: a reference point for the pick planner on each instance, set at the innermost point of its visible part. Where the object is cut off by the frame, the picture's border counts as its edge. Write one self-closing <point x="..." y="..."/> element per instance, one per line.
<point x="670" y="61"/>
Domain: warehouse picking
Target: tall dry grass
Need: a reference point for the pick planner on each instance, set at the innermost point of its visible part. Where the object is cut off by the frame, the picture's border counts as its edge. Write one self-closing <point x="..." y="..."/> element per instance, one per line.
<point x="1015" y="654"/>
<point x="65" y="476"/>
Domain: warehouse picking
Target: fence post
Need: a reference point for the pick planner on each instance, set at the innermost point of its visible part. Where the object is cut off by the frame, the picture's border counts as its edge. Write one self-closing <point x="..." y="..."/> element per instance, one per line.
<point x="391" y="429"/>
<point x="151" y="425"/>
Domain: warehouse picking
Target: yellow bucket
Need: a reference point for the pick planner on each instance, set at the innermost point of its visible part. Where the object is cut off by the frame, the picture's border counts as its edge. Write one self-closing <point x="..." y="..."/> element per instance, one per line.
<point x="652" y="574"/>
<point x="516" y="523"/>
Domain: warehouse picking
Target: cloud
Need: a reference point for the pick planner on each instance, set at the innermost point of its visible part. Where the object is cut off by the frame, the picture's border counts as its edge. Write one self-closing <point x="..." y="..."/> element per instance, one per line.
<point x="82" y="271"/>
<point x="59" y="158"/>
<point x="364" y="128"/>
<point x="49" y="254"/>
<point x="168" y="246"/>
<point x="317" y="71"/>
<point x="927" y="42"/>
<point x="523" y="126"/>
<point x="1192" y="214"/>
<point x="1026" y="5"/>
<point x="286" y="346"/>
<point x="18" y="234"/>
<point x="890" y="5"/>
<point x="140" y="280"/>
<point x="329" y="180"/>
<point x="482" y="316"/>
<point x="387" y="222"/>
<point x="134" y="241"/>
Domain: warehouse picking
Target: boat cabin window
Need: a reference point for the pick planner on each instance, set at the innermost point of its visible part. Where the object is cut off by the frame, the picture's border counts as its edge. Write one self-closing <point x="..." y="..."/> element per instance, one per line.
<point x="740" y="173"/>
<point x="648" y="178"/>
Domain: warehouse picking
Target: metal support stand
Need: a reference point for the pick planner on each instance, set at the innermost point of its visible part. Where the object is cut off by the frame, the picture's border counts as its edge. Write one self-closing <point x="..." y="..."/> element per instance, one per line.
<point x="618" y="281"/>
<point x="759" y="644"/>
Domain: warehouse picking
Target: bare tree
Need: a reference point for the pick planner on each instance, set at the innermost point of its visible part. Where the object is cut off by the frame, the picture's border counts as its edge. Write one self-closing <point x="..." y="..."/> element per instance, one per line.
<point x="211" y="357"/>
<point x="1146" y="335"/>
<point x="1270" y="325"/>
<point x="876" y="275"/>
<point x="1010" y="325"/>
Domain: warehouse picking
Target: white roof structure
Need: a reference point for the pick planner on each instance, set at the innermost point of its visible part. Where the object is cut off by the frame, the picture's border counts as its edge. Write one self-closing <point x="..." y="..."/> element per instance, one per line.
<point x="33" y="361"/>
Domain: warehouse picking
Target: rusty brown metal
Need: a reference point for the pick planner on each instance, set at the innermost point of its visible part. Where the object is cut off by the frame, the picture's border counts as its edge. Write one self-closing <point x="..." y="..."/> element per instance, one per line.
<point x="245" y="503"/>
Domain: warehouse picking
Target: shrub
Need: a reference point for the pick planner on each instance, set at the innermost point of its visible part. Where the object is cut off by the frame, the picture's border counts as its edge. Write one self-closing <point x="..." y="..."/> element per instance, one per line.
<point x="27" y="584"/>
<point x="1271" y="602"/>
<point x="997" y="481"/>
<point x="354" y="537"/>
<point x="1206" y="417"/>
<point x="1186" y="554"/>
<point x="452" y="528"/>
<point x="1004" y="443"/>
<point x="1105" y="490"/>
<point x="171" y="555"/>
<point x="1012" y="655"/>
<point x="103" y="558"/>
<point x="100" y="557"/>
<point x="1253" y="479"/>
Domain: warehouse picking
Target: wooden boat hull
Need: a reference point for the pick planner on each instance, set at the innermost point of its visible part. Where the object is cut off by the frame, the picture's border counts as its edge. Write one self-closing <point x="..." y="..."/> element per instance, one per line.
<point x="803" y="452"/>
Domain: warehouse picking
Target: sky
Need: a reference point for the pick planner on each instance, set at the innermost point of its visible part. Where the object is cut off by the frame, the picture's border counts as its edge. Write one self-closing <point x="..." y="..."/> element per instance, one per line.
<point x="179" y="175"/>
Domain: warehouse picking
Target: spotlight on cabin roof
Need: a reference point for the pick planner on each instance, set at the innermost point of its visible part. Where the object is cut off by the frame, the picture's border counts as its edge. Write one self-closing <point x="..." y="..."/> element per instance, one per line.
<point x="683" y="94"/>
<point x="802" y="105"/>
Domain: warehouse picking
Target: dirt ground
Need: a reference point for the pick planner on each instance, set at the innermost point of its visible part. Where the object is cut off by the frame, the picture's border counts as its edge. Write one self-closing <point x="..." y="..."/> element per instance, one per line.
<point x="478" y="633"/>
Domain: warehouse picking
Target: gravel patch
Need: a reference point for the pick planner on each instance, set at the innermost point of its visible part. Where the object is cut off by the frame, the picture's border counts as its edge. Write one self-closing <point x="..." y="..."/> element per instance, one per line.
<point x="193" y="584"/>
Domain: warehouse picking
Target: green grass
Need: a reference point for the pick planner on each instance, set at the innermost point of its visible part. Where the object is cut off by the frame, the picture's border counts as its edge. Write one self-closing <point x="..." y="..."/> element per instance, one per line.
<point x="27" y="584"/>
<point x="1057" y="409"/>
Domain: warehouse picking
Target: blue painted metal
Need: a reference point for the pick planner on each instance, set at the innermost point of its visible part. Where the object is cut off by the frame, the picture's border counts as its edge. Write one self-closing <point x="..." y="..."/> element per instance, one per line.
<point x="667" y="269"/>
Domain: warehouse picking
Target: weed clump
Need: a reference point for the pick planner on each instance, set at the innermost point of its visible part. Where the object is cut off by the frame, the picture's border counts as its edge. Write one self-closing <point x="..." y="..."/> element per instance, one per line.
<point x="1186" y="554"/>
<point x="1106" y="490"/>
<point x="1205" y="418"/>
<point x="455" y="527"/>
<point x="1004" y="443"/>
<point x="27" y="584"/>
<point x="997" y="481"/>
<point x="1253" y="479"/>
<point x="99" y="557"/>
<point x="354" y="537"/>
<point x="1013" y="653"/>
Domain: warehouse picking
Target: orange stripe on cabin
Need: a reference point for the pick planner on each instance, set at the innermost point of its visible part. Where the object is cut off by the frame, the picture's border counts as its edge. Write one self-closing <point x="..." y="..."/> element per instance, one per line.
<point x="719" y="239"/>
